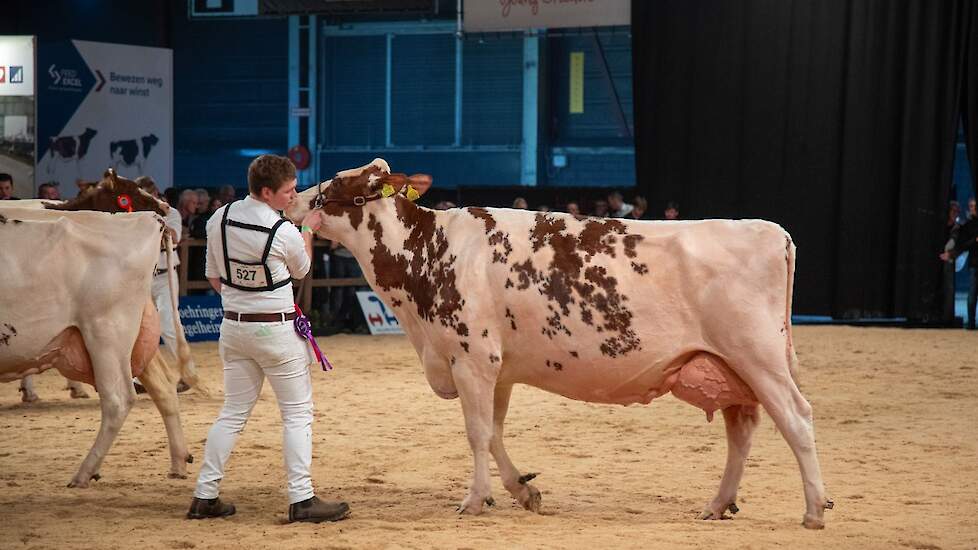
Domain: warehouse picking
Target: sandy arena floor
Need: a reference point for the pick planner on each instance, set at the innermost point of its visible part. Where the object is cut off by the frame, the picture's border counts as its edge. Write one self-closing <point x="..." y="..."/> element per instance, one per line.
<point x="894" y="414"/>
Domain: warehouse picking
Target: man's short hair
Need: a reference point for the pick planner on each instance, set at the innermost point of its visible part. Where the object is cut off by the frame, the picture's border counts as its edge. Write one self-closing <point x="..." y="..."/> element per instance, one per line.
<point x="44" y="186"/>
<point x="147" y="184"/>
<point x="616" y="194"/>
<point x="6" y="177"/>
<point x="673" y="205"/>
<point x="269" y="171"/>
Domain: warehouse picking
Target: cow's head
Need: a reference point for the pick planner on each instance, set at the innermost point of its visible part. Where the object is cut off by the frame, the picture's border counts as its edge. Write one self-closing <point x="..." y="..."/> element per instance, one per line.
<point x="114" y="194"/>
<point x="350" y="193"/>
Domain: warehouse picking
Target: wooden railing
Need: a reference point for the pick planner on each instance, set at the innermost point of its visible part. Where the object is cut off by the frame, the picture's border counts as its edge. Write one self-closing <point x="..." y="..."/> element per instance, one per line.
<point x="306" y="286"/>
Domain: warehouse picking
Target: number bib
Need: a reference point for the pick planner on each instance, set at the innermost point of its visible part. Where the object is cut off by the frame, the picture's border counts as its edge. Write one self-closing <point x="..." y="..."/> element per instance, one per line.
<point x="247" y="275"/>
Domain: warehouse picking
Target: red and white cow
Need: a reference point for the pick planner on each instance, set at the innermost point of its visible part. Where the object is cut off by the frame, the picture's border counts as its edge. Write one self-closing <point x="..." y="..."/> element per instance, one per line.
<point x="600" y="310"/>
<point x="96" y="323"/>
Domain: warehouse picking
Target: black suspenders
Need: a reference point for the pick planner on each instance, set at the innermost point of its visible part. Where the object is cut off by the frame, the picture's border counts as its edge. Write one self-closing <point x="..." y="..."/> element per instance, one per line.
<point x="269" y="285"/>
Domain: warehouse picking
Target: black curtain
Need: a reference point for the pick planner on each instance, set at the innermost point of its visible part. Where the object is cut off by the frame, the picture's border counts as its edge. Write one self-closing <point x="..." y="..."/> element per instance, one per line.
<point x="835" y="119"/>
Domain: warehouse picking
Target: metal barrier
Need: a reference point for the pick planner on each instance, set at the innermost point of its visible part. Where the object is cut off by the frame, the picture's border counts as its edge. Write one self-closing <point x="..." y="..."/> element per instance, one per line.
<point x="310" y="282"/>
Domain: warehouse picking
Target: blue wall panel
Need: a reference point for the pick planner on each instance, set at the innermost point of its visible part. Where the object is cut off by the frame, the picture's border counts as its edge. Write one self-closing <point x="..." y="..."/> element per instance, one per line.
<point x="448" y="169"/>
<point x="492" y="88"/>
<point x="231" y="94"/>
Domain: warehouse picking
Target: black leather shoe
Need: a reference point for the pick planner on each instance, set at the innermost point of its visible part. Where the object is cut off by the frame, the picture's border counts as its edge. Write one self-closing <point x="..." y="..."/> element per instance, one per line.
<point x="314" y="510"/>
<point x="204" y="508"/>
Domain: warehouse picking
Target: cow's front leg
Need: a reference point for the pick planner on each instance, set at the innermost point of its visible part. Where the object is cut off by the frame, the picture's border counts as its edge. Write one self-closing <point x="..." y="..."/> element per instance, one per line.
<point x="518" y="485"/>
<point x="475" y="385"/>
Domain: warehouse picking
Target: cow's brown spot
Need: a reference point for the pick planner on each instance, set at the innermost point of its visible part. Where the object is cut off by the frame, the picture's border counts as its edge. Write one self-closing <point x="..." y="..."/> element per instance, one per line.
<point x="465" y="346"/>
<point x="630" y="243"/>
<point x="574" y="354"/>
<point x="500" y="256"/>
<point x="452" y="361"/>
<point x="396" y="303"/>
<point x="346" y="189"/>
<point x="554" y="365"/>
<point x="428" y="278"/>
<point x="485" y="216"/>
<point x="641" y="269"/>
<point x="493" y="358"/>
<point x="568" y="280"/>
<point x="6" y="333"/>
<point x="512" y="318"/>
<point x="485" y="333"/>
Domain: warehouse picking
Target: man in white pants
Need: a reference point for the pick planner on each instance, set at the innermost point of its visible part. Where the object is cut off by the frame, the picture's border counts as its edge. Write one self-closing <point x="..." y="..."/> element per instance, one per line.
<point x="253" y="253"/>
<point x="161" y="284"/>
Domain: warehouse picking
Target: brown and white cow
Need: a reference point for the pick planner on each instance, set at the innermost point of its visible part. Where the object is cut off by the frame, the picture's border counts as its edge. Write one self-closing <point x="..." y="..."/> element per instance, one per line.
<point x="600" y="310"/>
<point x="96" y="323"/>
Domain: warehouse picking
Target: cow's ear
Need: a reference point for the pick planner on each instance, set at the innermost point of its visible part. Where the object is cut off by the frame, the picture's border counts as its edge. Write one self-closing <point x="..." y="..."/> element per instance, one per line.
<point x="420" y="183"/>
<point x="390" y="184"/>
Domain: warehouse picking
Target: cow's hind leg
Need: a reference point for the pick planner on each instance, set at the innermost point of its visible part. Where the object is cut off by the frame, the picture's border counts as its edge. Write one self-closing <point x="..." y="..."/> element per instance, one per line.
<point x="475" y="388"/>
<point x="28" y="395"/>
<point x="162" y="389"/>
<point x="740" y="421"/>
<point x="768" y="375"/>
<point x="517" y="485"/>
<point x="113" y="379"/>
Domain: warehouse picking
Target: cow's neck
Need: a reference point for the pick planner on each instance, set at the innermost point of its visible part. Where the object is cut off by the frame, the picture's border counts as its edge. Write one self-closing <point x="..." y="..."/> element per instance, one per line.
<point x="391" y="234"/>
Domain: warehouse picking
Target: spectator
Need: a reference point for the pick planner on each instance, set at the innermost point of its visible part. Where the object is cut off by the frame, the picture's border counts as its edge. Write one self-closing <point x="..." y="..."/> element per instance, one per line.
<point x="444" y="205"/>
<point x="49" y="191"/>
<point x="84" y="185"/>
<point x="672" y="211"/>
<point x="573" y="209"/>
<point x="214" y="204"/>
<point x="520" y="203"/>
<point x="543" y="208"/>
<point x="226" y="194"/>
<point x="187" y="207"/>
<point x="601" y="208"/>
<point x="7" y="188"/>
<point x="617" y="206"/>
<point x="640" y="210"/>
<point x="967" y="241"/>
<point x="951" y="228"/>
<point x="203" y="200"/>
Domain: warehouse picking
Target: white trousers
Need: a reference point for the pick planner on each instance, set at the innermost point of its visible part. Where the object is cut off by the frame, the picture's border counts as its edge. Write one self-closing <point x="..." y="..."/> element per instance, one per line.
<point x="161" y="297"/>
<point x="252" y="351"/>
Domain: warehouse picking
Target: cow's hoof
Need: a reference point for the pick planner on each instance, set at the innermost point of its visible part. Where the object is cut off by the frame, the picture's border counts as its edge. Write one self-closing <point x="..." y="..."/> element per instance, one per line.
<point x="530" y="499"/>
<point x="190" y="459"/>
<point x="81" y="482"/>
<point x="812" y="522"/>
<point x="28" y="396"/>
<point x="176" y="475"/>
<point x="472" y="505"/>
<point x="78" y="393"/>
<point x="719" y="512"/>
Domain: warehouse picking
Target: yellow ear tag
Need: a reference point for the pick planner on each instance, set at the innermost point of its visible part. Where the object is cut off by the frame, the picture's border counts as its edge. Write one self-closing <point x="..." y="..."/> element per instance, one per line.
<point x="412" y="194"/>
<point x="387" y="191"/>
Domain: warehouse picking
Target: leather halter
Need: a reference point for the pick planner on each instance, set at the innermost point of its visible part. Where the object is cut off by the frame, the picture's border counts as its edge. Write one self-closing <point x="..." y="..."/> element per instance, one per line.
<point x="321" y="201"/>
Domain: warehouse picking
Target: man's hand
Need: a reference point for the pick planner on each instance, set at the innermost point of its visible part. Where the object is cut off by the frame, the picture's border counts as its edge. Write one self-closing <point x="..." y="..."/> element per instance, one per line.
<point x="945" y="256"/>
<point x="313" y="220"/>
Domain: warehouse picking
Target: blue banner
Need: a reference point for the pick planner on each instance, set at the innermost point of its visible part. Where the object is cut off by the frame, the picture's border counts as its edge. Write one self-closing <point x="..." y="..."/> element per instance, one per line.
<point x="201" y="317"/>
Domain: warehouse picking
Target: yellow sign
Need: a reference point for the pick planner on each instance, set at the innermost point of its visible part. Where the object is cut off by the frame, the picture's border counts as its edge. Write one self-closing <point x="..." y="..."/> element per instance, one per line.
<point x="576" y="82"/>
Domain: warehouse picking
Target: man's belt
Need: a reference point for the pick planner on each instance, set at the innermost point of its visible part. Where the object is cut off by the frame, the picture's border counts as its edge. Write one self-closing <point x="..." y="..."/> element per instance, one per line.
<point x="259" y="317"/>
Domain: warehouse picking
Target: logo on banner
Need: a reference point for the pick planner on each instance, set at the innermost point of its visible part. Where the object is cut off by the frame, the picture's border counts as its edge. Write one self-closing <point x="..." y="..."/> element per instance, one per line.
<point x="16" y="74"/>
<point x="380" y="320"/>
<point x="65" y="79"/>
<point x="3" y="74"/>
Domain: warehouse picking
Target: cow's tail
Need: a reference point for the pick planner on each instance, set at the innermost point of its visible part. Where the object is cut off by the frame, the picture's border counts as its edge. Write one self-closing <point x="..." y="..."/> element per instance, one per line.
<point x="185" y="361"/>
<point x="789" y="345"/>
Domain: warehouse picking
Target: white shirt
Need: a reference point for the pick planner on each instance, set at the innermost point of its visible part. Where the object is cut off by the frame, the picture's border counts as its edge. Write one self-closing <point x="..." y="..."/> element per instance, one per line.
<point x="174" y="222"/>
<point x="287" y="256"/>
